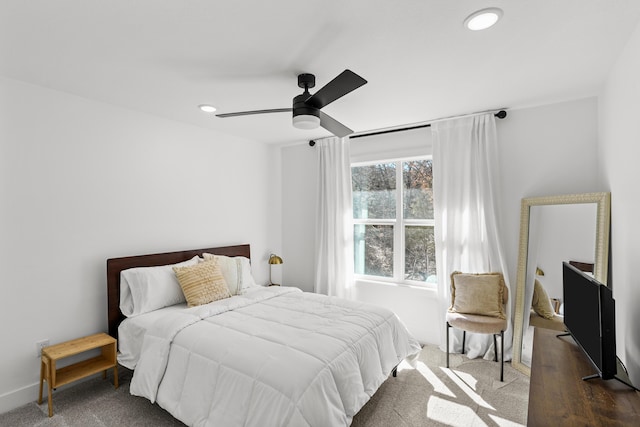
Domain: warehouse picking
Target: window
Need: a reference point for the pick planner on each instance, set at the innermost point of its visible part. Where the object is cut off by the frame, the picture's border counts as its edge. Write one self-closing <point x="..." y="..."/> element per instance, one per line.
<point x="393" y="221"/>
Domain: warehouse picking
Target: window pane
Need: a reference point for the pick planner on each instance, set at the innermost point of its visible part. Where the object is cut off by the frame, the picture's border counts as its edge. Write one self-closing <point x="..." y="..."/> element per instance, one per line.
<point x="373" y="250"/>
<point x="418" y="189"/>
<point x="419" y="257"/>
<point x="374" y="194"/>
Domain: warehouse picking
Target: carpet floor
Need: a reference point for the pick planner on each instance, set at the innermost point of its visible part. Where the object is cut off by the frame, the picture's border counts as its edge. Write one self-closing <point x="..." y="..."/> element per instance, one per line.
<point x="468" y="394"/>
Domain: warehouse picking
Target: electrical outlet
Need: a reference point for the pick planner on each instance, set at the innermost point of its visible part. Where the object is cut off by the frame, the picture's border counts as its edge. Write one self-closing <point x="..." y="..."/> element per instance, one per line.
<point x="40" y="345"/>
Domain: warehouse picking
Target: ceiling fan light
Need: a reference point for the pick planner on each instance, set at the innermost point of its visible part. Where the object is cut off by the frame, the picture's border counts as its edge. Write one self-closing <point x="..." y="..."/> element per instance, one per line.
<point x="306" y="121"/>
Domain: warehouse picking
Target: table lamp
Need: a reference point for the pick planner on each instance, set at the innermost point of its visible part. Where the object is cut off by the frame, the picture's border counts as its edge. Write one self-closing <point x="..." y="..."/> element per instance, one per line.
<point x="273" y="260"/>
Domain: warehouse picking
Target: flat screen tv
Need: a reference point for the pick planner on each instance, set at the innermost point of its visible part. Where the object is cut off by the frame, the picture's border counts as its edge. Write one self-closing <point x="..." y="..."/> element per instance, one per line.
<point x="589" y="315"/>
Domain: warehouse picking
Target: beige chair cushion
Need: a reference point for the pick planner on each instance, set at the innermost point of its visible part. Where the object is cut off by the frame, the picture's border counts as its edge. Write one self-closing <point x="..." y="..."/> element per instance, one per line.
<point x="556" y="323"/>
<point x="202" y="283"/>
<point x="477" y="323"/>
<point x="478" y="294"/>
<point x="540" y="302"/>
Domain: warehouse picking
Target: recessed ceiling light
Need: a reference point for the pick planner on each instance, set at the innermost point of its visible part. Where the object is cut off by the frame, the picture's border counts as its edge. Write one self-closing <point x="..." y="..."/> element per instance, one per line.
<point x="483" y="19"/>
<point x="207" y="108"/>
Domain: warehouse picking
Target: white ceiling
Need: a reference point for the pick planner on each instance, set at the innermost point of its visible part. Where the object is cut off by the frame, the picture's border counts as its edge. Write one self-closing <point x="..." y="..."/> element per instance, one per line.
<point x="165" y="57"/>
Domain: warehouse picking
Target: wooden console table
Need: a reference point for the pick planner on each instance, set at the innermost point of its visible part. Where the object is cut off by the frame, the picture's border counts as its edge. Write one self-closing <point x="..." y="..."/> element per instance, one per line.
<point x="559" y="397"/>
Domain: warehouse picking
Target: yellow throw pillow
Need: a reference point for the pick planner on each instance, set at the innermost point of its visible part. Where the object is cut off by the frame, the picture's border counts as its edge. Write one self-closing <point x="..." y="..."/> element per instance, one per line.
<point x="540" y="302"/>
<point x="202" y="283"/>
<point x="481" y="293"/>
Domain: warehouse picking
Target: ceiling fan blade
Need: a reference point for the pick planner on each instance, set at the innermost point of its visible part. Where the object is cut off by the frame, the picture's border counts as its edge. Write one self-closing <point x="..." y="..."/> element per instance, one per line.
<point x="249" y="113"/>
<point x="345" y="82"/>
<point x="334" y="126"/>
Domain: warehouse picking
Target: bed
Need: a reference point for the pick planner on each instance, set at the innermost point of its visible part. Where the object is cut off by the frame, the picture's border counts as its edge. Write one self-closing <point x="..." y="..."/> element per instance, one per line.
<point x="264" y="356"/>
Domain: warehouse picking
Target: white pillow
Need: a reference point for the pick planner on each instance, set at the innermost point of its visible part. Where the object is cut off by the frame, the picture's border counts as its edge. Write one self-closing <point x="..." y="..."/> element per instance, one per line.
<point x="236" y="272"/>
<point x="145" y="289"/>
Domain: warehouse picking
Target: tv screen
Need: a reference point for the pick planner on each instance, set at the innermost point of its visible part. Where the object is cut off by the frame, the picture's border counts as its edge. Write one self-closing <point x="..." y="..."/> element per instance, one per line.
<point x="589" y="315"/>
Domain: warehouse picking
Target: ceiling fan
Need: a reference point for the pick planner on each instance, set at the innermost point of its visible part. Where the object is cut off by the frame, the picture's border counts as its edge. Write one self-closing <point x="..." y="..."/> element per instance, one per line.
<point x="306" y="106"/>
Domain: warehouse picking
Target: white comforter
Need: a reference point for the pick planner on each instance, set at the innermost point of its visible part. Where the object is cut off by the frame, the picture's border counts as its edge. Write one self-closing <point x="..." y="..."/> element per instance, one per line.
<point x="273" y="357"/>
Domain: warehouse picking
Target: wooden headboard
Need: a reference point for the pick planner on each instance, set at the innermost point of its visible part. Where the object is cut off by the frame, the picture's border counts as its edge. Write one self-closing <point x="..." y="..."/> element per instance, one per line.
<point x="116" y="265"/>
<point x="583" y="266"/>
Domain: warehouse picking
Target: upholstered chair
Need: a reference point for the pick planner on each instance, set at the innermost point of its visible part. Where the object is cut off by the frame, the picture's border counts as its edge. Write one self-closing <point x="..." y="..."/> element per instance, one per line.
<point x="478" y="306"/>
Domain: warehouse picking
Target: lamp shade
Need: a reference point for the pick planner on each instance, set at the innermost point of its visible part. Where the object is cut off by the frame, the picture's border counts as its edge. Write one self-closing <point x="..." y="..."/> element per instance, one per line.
<point x="275" y="259"/>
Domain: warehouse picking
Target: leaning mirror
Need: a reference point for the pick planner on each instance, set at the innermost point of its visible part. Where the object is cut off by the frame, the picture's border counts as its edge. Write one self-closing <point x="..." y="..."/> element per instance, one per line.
<point x="553" y="229"/>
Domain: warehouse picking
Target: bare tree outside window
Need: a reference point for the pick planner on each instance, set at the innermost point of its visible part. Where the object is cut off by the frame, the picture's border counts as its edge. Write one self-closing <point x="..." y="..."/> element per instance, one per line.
<point x="393" y="220"/>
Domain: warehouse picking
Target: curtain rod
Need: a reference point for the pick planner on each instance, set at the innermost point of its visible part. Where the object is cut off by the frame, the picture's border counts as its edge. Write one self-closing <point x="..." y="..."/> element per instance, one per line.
<point x="500" y="114"/>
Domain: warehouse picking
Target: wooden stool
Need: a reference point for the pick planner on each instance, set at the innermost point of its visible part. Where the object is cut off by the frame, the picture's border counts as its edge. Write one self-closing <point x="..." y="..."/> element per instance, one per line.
<point x="58" y="377"/>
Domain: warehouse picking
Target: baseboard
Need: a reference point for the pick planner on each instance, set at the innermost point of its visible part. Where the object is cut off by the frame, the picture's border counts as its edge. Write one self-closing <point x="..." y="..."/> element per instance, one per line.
<point x="29" y="394"/>
<point x="17" y="398"/>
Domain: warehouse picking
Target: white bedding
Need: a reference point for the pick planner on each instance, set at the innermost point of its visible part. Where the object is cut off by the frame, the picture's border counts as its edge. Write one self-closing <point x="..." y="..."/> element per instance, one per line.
<point x="132" y="330"/>
<point x="273" y="357"/>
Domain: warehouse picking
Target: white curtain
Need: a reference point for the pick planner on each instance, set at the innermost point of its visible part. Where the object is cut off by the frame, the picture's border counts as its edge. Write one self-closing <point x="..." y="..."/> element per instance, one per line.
<point x="334" y="226"/>
<point x="465" y="189"/>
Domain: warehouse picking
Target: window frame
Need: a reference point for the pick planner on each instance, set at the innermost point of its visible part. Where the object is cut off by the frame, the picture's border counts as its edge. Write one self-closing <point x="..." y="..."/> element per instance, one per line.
<point x="399" y="223"/>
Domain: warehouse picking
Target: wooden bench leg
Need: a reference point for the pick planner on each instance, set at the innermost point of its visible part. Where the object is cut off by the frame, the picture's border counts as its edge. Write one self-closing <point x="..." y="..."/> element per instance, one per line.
<point x="41" y="380"/>
<point x="46" y="365"/>
<point x="51" y="375"/>
<point x="50" y="398"/>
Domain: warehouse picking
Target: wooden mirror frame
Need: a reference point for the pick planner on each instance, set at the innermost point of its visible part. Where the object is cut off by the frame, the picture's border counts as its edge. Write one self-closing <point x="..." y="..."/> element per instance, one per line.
<point x="601" y="260"/>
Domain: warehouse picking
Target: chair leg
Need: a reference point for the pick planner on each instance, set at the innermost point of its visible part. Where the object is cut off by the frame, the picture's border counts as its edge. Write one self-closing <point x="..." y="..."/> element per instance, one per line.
<point x="495" y="349"/>
<point x="501" y="356"/>
<point x="464" y="336"/>
<point x="448" y="326"/>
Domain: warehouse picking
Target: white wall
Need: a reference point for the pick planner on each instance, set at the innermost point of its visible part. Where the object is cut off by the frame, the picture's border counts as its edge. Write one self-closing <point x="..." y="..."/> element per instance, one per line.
<point x="83" y="181"/>
<point x="299" y="184"/>
<point x="546" y="150"/>
<point x="620" y="150"/>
